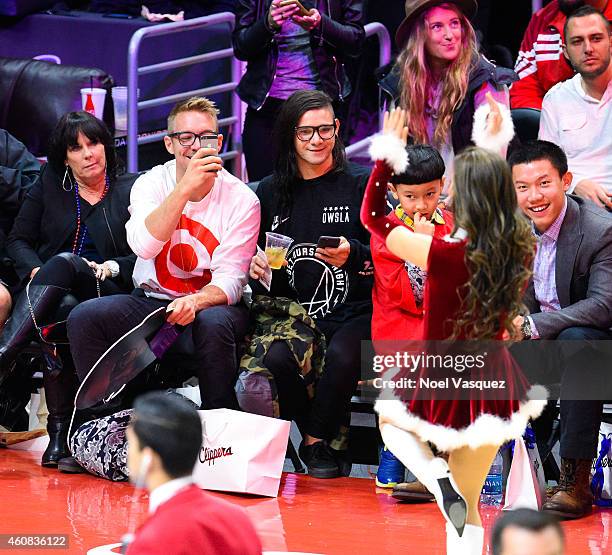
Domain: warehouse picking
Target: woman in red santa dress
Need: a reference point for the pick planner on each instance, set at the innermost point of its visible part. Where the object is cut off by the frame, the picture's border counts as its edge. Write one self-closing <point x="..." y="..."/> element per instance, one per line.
<point x="476" y="278"/>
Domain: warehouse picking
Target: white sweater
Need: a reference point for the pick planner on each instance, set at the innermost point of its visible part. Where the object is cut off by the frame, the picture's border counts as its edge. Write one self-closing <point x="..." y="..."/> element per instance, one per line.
<point x="213" y="243"/>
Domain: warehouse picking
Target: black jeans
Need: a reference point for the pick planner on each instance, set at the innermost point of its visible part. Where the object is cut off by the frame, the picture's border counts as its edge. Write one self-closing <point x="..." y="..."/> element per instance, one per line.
<point x="70" y="272"/>
<point x="210" y="340"/>
<point x="258" y="142"/>
<point x="323" y="416"/>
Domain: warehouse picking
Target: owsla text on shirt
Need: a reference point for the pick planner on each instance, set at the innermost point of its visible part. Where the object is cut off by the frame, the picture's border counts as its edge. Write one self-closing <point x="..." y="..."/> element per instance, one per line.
<point x="335" y="215"/>
<point x="211" y="455"/>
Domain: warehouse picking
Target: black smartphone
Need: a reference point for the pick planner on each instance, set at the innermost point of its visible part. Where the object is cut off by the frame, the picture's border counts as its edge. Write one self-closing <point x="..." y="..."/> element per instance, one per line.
<point x="326" y="241"/>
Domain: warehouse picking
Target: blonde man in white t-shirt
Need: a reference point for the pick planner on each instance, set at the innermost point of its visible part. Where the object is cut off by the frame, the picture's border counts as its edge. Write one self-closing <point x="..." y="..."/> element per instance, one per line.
<point x="194" y="228"/>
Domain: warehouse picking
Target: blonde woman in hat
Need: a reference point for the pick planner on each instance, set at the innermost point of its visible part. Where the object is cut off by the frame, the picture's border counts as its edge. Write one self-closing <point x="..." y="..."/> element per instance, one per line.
<point x="447" y="90"/>
<point x="441" y="80"/>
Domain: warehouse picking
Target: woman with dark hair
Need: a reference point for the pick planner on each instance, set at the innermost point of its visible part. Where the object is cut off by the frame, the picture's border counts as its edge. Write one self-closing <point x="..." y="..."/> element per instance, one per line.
<point x="475" y="284"/>
<point x="315" y="192"/>
<point x="68" y="238"/>
<point x="289" y="51"/>
<point x="441" y="80"/>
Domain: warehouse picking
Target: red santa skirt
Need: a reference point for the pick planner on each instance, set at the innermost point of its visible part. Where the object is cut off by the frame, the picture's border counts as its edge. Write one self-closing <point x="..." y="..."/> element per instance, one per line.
<point x="453" y="407"/>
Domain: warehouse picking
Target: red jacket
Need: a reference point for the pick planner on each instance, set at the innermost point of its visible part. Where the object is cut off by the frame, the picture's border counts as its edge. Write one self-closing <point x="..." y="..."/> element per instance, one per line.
<point x="194" y="522"/>
<point x="395" y="312"/>
<point x="541" y="64"/>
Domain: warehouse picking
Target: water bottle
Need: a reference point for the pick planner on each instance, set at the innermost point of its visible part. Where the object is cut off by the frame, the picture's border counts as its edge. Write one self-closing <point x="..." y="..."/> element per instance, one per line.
<point x="492" y="491"/>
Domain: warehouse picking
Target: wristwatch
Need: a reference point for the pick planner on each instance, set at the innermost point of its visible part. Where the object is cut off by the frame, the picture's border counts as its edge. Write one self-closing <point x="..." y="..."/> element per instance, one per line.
<point x="113" y="267"/>
<point x="526" y="328"/>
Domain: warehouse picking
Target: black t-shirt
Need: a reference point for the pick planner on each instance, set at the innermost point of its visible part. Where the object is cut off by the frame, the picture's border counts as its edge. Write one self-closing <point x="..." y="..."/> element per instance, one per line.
<point x="327" y="205"/>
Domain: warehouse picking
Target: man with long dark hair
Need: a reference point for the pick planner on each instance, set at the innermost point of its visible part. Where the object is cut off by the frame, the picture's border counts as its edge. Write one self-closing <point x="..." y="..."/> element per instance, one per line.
<point x="287" y="50"/>
<point x="314" y="192"/>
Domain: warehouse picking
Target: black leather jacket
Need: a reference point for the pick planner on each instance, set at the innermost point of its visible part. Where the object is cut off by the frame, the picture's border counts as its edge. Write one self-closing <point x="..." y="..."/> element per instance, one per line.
<point x="47" y="219"/>
<point x="339" y="35"/>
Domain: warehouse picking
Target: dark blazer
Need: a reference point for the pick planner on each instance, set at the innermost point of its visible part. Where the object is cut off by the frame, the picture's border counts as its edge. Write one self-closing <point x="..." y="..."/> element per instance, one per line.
<point x="583" y="272"/>
<point x="47" y="219"/>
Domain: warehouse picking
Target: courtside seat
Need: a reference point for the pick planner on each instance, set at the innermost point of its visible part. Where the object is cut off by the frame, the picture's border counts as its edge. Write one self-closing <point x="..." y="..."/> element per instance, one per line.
<point x="526" y="123"/>
<point x="35" y="94"/>
<point x="19" y="8"/>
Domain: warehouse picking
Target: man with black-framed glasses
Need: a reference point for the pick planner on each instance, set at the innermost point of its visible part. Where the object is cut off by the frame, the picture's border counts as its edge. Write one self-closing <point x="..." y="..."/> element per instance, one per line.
<point x="193" y="227"/>
<point x="314" y="192"/>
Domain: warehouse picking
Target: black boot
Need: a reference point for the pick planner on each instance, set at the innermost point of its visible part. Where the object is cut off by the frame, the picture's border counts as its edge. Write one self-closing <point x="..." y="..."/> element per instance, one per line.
<point x="18" y="328"/>
<point x="69" y="464"/>
<point x="57" y="428"/>
<point x="60" y="389"/>
<point x="14" y="397"/>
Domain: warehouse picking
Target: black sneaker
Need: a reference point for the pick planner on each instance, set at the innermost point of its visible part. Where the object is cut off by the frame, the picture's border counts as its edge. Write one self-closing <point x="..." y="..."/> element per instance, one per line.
<point x="320" y="460"/>
<point x="343" y="458"/>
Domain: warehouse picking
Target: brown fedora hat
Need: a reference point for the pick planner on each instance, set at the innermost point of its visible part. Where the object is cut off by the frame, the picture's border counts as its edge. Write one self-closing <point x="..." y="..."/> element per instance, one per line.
<point x="416" y="7"/>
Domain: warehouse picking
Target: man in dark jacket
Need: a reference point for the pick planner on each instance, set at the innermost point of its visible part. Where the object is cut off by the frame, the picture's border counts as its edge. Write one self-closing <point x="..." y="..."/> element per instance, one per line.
<point x="18" y="170"/>
<point x="287" y="52"/>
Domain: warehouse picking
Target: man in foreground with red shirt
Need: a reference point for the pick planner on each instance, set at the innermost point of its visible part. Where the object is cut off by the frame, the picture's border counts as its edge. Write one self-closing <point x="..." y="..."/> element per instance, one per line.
<point x="164" y="440"/>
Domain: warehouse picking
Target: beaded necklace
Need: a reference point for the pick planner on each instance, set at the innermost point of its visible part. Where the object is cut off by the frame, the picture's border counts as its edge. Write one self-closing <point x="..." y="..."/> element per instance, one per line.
<point x="76" y="243"/>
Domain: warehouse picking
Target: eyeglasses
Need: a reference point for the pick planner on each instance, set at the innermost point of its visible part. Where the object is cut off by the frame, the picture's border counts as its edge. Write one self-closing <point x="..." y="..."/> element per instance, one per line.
<point x="187" y="138"/>
<point x="306" y="132"/>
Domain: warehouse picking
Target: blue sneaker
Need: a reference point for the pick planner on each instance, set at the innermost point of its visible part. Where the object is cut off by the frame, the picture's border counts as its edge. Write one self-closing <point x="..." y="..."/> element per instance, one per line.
<point x="390" y="470"/>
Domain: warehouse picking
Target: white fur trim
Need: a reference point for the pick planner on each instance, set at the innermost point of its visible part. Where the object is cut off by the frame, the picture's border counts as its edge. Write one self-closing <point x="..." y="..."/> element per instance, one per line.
<point x="389" y="148"/>
<point x="487" y="429"/>
<point x="482" y="138"/>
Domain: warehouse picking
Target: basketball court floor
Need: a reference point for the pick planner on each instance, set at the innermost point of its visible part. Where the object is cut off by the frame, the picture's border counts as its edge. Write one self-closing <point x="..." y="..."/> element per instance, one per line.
<point x="346" y="516"/>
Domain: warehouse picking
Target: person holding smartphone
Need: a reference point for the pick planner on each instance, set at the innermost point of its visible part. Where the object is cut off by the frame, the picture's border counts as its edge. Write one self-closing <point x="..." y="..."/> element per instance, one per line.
<point x="314" y="197"/>
<point x="193" y="227"/>
<point x="290" y="45"/>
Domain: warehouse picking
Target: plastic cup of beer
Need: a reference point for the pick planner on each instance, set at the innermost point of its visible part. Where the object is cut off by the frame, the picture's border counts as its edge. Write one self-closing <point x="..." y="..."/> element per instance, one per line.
<point x="277" y="246"/>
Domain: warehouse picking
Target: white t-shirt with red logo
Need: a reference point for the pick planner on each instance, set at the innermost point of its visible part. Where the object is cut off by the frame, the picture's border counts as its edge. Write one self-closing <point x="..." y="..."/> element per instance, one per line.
<point x="213" y="243"/>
